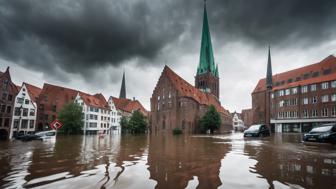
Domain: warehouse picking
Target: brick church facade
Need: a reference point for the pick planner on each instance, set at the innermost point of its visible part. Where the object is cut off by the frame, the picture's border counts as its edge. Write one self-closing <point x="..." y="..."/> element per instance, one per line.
<point x="175" y="103"/>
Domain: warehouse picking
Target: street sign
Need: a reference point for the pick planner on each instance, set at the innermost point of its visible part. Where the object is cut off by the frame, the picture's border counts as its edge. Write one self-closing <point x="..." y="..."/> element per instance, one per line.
<point x="56" y="124"/>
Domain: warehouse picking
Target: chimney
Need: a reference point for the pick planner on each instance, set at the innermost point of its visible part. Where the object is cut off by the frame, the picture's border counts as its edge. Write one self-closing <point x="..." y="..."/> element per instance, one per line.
<point x="133" y="98"/>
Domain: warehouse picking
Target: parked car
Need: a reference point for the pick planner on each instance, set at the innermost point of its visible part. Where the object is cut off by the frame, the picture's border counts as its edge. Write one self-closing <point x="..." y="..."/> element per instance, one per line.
<point x="323" y="133"/>
<point x="44" y="135"/>
<point x="257" y="131"/>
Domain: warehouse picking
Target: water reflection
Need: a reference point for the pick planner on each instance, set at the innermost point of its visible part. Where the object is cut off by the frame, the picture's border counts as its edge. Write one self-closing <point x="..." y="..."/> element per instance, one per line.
<point x="118" y="161"/>
<point x="174" y="161"/>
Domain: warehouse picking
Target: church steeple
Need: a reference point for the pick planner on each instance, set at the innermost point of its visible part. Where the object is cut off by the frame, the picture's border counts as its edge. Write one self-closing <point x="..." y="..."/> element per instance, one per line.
<point x="207" y="77"/>
<point x="269" y="82"/>
<point x="207" y="61"/>
<point x="123" y="87"/>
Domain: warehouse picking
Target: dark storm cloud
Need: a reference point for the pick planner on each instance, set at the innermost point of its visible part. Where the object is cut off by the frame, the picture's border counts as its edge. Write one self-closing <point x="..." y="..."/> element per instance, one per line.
<point x="284" y="22"/>
<point x="75" y="36"/>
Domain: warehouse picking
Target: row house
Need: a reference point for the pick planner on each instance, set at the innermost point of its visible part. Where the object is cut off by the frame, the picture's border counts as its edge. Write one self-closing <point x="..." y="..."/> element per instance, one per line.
<point x="126" y="106"/>
<point x="8" y="92"/>
<point x="98" y="116"/>
<point x="300" y="99"/>
<point x="24" y="111"/>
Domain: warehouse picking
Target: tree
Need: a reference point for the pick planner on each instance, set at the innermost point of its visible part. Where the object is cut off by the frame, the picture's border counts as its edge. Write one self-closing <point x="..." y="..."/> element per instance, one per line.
<point x="124" y="124"/>
<point x="211" y="120"/>
<point x="137" y="123"/>
<point x="72" y="117"/>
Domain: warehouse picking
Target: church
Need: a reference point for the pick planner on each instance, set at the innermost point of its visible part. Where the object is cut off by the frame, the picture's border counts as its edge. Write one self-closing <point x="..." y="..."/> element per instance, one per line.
<point x="175" y="103"/>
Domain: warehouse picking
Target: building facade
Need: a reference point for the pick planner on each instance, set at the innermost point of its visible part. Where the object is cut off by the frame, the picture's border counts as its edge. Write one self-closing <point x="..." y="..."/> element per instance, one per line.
<point x="237" y="122"/>
<point x="177" y="104"/>
<point x="8" y="91"/>
<point x="50" y="101"/>
<point x="25" y="110"/>
<point x="247" y="117"/>
<point x="300" y="99"/>
<point x="97" y="113"/>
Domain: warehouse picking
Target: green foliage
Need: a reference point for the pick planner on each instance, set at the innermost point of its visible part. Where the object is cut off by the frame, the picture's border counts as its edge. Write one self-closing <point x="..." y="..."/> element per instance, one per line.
<point x="177" y="131"/>
<point x="137" y="123"/>
<point x="210" y="121"/>
<point x="123" y="124"/>
<point x="71" y="116"/>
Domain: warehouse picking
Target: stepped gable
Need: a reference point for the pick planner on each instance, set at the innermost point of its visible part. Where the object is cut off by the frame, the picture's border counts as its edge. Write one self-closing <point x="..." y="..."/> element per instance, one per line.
<point x="328" y="62"/>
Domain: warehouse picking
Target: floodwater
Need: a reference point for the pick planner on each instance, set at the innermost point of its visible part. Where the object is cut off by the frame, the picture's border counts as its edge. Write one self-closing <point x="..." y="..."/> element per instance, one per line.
<point x="117" y="161"/>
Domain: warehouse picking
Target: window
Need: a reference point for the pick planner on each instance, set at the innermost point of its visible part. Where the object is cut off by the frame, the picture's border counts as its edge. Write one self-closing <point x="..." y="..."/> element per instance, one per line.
<point x="93" y="117"/>
<point x="32" y="112"/>
<point x="10" y="97"/>
<point x="314" y="113"/>
<point x="313" y="87"/>
<point x="272" y="95"/>
<point x="333" y="84"/>
<point x="19" y="100"/>
<point x="333" y="111"/>
<point x="304" y="89"/>
<point x="314" y="100"/>
<point x="325" y="98"/>
<point x="6" y="123"/>
<point x="305" y="100"/>
<point x="305" y="114"/>
<point x="333" y="97"/>
<point x="25" y="112"/>
<point x="53" y="108"/>
<point x="9" y="108"/>
<point x="281" y="103"/>
<point x="324" y="85"/>
<point x="158" y="97"/>
<point x="17" y="111"/>
<point x="281" y="92"/>
<point x="294" y="90"/>
<point x="31" y="124"/>
<point x="3" y="108"/>
<point x="287" y="91"/>
<point x="169" y="94"/>
<point x="16" y="123"/>
<point x="26" y="101"/>
<point x="324" y="112"/>
<point x="24" y="124"/>
<point x="4" y="96"/>
<point x="93" y="125"/>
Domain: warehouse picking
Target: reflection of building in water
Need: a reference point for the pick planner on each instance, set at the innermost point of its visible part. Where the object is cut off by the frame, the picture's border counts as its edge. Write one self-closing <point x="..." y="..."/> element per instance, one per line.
<point x="173" y="161"/>
<point x="287" y="166"/>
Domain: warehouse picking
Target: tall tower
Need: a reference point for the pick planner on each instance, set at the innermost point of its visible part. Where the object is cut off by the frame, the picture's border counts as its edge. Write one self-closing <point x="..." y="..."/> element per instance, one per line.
<point x="123" y="87"/>
<point x="269" y="87"/>
<point x="206" y="78"/>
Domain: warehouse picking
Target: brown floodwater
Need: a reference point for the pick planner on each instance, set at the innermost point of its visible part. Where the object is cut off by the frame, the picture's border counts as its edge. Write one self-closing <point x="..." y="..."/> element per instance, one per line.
<point x="117" y="161"/>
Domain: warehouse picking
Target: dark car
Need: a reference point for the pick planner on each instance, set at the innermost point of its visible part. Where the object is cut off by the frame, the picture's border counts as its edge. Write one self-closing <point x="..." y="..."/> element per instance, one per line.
<point x="323" y="133"/>
<point x="257" y="131"/>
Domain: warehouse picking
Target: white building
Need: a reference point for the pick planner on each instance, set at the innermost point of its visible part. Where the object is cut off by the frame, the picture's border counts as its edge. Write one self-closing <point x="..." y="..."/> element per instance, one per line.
<point x="24" y="111"/>
<point x="237" y="123"/>
<point x="115" y="117"/>
<point x="98" y="116"/>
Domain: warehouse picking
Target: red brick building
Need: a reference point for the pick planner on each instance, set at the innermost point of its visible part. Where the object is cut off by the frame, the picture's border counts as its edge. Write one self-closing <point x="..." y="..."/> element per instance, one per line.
<point x="300" y="99"/>
<point x="247" y="117"/>
<point x="177" y="104"/>
<point x="8" y="92"/>
<point x="50" y="101"/>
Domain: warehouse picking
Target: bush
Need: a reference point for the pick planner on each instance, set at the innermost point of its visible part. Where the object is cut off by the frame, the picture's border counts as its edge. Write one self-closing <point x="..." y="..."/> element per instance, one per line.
<point x="177" y="131"/>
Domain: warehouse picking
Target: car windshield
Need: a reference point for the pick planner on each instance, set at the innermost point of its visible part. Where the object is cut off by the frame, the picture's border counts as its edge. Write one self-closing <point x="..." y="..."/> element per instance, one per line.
<point x="254" y="128"/>
<point x="321" y="129"/>
<point x="39" y="134"/>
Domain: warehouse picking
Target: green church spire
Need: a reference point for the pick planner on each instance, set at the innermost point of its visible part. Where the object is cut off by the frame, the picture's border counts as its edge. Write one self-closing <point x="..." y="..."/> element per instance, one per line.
<point x="207" y="61"/>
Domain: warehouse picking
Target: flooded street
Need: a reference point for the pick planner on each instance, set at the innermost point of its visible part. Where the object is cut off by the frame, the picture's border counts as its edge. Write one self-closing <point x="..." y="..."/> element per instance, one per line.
<point x="222" y="161"/>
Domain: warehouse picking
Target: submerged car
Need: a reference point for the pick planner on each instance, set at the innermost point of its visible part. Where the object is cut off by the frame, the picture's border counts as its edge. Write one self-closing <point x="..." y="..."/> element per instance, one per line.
<point x="257" y="131"/>
<point x="323" y="133"/>
<point x="44" y="135"/>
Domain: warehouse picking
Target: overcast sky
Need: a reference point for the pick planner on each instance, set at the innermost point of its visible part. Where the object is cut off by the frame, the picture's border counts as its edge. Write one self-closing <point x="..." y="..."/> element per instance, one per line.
<point x="86" y="44"/>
